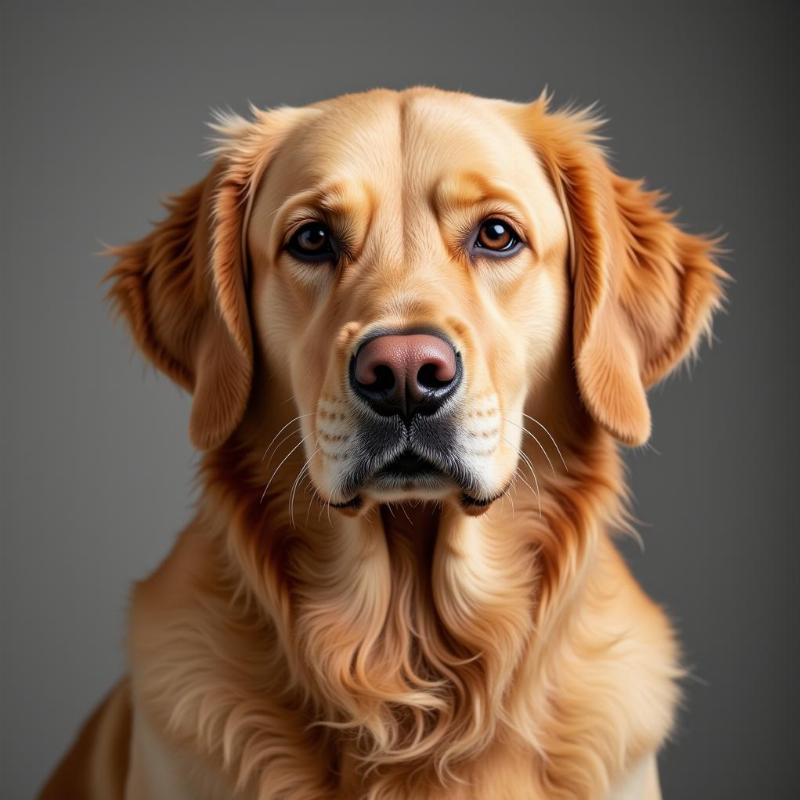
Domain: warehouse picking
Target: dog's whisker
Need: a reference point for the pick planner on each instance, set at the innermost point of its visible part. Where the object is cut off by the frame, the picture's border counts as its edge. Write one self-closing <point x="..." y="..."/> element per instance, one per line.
<point x="297" y="480"/>
<point x="314" y="495"/>
<point x="280" y="444"/>
<point x="507" y="493"/>
<point x="272" y="477"/>
<point x="296" y="419"/>
<point x="529" y="464"/>
<point x="529" y="433"/>
<point x="552" y="439"/>
<point x="533" y="491"/>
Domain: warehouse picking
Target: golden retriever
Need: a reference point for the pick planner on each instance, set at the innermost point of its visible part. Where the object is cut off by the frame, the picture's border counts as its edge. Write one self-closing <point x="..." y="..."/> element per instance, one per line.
<point x="415" y="325"/>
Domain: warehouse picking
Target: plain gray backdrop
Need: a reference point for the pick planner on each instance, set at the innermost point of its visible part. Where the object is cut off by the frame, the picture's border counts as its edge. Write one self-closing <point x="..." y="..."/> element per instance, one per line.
<point x="103" y="113"/>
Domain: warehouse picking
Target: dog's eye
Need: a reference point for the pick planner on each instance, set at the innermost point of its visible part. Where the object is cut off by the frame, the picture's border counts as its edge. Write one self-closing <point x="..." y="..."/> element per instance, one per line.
<point x="312" y="242"/>
<point x="497" y="236"/>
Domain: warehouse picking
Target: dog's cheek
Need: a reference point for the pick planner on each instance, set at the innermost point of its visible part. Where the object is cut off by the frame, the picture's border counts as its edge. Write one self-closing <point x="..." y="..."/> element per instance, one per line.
<point x="278" y="321"/>
<point x="544" y="317"/>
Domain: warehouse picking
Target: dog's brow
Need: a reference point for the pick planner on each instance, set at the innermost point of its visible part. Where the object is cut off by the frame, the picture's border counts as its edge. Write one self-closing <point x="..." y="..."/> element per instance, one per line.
<point x="464" y="189"/>
<point x="345" y="199"/>
<point x="339" y="198"/>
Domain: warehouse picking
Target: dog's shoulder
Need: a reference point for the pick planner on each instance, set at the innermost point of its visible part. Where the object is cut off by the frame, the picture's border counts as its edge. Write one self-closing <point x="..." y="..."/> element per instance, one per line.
<point x="96" y="765"/>
<point x="617" y="669"/>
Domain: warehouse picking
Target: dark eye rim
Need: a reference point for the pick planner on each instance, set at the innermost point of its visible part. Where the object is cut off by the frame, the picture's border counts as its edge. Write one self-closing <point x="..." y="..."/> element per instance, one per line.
<point x="514" y="246"/>
<point x="328" y="255"/>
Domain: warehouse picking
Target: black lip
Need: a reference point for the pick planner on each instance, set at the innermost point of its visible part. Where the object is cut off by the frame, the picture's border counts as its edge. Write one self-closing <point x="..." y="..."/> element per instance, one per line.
<point x="467" y="500"/>
<point x="353" y="502"/>
<point x="384" y="444"/>
<point x="409" y="465"/>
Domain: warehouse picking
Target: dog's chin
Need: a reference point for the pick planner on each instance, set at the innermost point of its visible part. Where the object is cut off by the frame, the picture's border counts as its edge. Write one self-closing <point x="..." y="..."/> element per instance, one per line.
<point x="408" y="477"/>
<point x="411" y="478"/>
<point x="408" y="490"/>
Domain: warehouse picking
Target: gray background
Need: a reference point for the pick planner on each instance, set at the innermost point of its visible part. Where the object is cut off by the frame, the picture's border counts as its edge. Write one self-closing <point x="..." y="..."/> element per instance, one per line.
<point x="103" y="113"/>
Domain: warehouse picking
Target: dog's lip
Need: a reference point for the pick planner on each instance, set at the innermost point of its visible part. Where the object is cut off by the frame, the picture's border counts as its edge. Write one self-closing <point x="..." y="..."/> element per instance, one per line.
<point x="353" y="504"/>
<point x="405" y="471"/>
<point x="470" y="504"/>
<point x="408" y="465"/>
<point x="477" y="505"/>
<point x="409" y="469"/>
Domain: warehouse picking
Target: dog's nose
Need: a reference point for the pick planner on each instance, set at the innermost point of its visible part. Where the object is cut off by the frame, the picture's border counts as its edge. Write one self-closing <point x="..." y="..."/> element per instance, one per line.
<point x="405" y="374"/>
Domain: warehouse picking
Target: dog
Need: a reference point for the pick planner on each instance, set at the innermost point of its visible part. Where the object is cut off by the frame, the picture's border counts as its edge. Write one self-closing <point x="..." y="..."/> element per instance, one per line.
<point x="416" y="325"/>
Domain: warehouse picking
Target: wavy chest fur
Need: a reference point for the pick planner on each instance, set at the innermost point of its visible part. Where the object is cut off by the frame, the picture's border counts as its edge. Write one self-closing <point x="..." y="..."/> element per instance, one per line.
<point x="434" y="656"/>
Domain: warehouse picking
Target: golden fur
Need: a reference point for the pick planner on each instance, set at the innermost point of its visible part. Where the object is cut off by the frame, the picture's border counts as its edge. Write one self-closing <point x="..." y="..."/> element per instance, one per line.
<point x="410" y="647"/>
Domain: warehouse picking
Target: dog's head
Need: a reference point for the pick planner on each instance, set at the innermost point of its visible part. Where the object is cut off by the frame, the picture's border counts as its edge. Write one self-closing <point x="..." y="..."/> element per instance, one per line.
<point x="409" y="277"/>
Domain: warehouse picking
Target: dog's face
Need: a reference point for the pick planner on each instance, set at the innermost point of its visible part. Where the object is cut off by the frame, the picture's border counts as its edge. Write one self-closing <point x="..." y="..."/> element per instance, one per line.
<point x="408" y="259"/>
<point x="404" y="275"/>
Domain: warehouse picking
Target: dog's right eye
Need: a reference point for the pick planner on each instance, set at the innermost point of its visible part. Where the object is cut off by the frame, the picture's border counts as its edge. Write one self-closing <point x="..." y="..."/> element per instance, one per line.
<point x="312" y="242"/>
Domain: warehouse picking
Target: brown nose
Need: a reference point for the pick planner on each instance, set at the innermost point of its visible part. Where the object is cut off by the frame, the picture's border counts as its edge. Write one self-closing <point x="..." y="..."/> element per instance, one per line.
<point x="405" y="374"/>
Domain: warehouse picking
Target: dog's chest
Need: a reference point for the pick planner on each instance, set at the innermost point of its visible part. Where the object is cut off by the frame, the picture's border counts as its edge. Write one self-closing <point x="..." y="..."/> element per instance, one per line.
<point x="218" y="690"/>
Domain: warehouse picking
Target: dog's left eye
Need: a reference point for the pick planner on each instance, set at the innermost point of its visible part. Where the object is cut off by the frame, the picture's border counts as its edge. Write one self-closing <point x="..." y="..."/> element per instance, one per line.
<point x="497" y="236"/>
<point x="312" y="242"/>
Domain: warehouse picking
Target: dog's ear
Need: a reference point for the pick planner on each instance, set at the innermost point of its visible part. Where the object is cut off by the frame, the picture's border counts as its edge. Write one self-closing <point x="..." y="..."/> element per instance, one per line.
<point x="643" y="289"/>
<point x="182" y="288"/>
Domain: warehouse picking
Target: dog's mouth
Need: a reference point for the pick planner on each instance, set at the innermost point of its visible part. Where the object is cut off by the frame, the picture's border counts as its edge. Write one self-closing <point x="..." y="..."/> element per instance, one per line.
<point x="408" y="466"/>
<point x="400" y="475"/>
<point x="407" y="474"/>
<point x="410" y="475"/>
<point x="423" y="461"/>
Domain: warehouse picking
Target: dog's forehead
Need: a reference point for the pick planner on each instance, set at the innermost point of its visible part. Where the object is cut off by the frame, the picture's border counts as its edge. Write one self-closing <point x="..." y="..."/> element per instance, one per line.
<point x="417" y="137"/>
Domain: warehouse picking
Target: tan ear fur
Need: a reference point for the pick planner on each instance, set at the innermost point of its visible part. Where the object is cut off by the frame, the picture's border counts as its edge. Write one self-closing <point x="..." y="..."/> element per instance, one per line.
<point x="182" y="288"/>
<point x="643" y="289"/>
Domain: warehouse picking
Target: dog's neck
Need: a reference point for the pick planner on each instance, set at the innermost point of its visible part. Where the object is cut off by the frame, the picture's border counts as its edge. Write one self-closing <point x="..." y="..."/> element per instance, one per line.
<point x="412" y="525"/>
<point x="405" y="627"/>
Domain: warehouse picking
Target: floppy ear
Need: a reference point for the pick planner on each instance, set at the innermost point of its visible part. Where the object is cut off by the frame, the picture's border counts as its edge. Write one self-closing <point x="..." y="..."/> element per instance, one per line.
<point x="182" y="288"/>
<point x="643" y="289"/>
